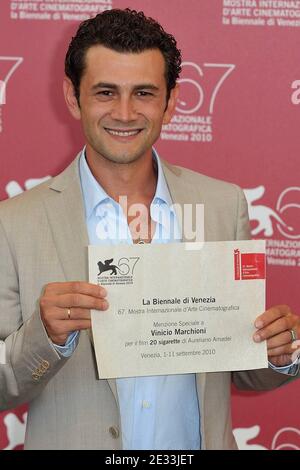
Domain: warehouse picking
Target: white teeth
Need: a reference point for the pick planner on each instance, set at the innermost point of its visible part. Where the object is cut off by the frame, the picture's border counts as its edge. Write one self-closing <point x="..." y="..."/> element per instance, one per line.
<point x="122" y="133"/>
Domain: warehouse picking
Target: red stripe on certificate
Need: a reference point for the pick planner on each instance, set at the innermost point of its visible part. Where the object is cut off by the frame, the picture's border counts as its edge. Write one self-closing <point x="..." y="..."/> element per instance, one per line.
<point x="237" y="265"/>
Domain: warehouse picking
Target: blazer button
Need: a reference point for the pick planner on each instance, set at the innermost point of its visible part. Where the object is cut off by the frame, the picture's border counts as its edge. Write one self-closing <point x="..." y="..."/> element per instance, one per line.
<point x="114" y="432"/>
<point x="45" y="365"/>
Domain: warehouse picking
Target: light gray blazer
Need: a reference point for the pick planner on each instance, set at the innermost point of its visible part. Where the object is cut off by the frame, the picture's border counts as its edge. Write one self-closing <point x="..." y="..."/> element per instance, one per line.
<point x="43" y="238"/>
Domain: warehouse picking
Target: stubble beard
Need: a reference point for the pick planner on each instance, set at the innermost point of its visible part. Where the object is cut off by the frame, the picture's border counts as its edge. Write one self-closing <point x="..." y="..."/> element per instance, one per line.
<point x="120" y="157"/>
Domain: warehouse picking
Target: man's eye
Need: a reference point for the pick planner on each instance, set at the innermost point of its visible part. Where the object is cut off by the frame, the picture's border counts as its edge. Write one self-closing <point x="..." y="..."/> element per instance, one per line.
<point x="144" y="93"/>
<point x="104" y="93"/>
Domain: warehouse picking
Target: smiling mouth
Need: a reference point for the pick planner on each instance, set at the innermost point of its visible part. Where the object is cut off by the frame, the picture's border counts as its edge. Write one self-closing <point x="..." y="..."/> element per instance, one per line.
<point x="123" y="133"/>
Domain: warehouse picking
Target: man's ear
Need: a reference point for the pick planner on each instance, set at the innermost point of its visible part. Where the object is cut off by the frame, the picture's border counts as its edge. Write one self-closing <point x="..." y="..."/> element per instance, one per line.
<point x="71" y="99"/>
<point x="171" y="104"/>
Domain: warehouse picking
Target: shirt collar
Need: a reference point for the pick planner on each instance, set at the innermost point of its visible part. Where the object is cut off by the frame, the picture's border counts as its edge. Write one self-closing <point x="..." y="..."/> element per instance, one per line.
<point x="162" y="193"/>
<point x="94" y="194"/>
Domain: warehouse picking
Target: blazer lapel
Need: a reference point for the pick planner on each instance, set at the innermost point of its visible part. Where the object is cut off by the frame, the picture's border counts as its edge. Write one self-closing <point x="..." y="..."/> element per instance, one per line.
<point x="65" y="211"/>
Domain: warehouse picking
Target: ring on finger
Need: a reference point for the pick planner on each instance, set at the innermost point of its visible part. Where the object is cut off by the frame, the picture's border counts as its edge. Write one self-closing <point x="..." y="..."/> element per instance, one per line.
<point x="293" y="335"/>
<point x="69" y="313"/>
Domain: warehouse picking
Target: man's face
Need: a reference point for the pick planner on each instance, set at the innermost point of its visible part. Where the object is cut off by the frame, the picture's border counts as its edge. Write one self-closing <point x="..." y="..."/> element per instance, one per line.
<point x="123" y="103"/>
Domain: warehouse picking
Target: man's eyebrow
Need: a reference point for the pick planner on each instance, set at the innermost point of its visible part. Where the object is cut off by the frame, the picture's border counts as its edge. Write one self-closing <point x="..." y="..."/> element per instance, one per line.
<point x="146" y="86"/>
<point x="104" y="85"/>
<point x="113" y="86"/>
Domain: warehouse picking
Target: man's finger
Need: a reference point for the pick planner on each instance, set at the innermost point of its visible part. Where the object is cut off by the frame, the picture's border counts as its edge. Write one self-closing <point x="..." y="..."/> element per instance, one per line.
<point x="74" y="313"/>
<point x="271" y="315"/>
<point x="280" y="361"/>
<point x="279" y="340"/>
<point x="70" y="326"/>
<point x="277" y="327"/>
<point x="81" y="301"/>
<point x="75" y="287"/>
<point x="280" y="350"/>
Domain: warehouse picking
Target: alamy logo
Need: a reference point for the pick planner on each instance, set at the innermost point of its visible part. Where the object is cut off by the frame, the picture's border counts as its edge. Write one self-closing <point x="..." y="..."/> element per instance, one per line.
<point x="8" y="65"/>
<point x="268" y="218"/>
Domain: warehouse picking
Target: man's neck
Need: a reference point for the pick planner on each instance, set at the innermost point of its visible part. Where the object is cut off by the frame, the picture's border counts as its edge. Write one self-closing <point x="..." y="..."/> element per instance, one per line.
<point x="137" y="180"/>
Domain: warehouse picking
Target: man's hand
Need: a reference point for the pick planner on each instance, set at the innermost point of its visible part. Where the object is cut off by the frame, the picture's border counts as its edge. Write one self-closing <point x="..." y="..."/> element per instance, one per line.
<point x="65" y="307"/>
<point x="281" y="328"/>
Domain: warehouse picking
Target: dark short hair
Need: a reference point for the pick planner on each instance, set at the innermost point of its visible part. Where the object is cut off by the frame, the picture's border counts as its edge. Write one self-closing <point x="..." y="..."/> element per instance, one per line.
<point x="122" y="31"/>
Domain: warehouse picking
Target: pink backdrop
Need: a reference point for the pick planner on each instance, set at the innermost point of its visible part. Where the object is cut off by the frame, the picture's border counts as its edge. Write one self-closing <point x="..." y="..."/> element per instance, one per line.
<point x="237" y="119"/>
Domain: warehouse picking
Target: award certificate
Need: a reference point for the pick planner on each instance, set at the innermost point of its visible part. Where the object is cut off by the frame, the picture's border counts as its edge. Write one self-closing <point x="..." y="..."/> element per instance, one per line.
<point x="178" y="308"/>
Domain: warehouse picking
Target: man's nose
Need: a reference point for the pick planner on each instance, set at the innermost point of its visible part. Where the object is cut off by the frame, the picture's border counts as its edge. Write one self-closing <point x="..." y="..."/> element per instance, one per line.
<point x="124" y="109"/>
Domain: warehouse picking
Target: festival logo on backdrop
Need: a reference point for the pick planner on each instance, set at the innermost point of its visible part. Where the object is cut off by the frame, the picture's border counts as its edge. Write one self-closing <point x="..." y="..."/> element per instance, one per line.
<point x="13" y="188"/>
<point x="14" y="429"/>
<point x="282" y="221"/>
<point x="199" y="89"/>
<point x="57" y="10"/>
<point x="285" y="439"/>
<point x="8" y="65"/>
<point x="261" y="13"/>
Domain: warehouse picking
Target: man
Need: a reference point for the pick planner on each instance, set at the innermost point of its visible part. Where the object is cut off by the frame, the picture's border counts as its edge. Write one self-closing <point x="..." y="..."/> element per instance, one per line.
<point x="121" y="72"/>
